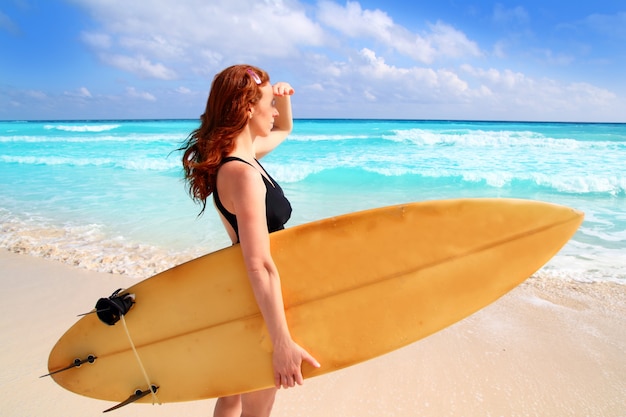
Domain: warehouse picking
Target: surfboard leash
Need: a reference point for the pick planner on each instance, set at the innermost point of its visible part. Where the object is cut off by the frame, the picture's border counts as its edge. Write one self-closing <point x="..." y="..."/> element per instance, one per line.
<point x="151" y="388"/>
<point x="110" y="310"/>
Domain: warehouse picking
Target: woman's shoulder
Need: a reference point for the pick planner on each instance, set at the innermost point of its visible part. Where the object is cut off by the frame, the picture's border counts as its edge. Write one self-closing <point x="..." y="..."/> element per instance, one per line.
<point x="238" y="170"/>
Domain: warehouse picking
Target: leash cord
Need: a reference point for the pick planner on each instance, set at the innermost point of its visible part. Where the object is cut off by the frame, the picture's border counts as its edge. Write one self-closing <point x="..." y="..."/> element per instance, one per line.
<point x="155" y="399"/>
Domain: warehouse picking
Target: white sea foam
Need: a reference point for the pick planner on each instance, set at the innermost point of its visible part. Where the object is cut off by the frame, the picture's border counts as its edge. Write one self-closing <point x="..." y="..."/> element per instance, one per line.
<point x="584" y="184"/>
<point x="169" y="138"/>
<point x="86" y="246"/>
<point x="481" y="138"/>
<point x="89" y="246"/>
<point x="565" y="182"/>
<point x="142" y="164"/>
<point x="82" y="128"/>
<point x="587" y="184"/>
<point x="325" y="137"/>
<point x="292" y="174"/>
<point x="153" y="164"/>
<point x="54" y="160"/>
<point x="588" y="266"/>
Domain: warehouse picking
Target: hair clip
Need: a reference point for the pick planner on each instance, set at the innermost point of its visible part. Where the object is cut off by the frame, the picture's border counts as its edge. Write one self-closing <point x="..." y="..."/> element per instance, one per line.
<point x="254" y="76"/>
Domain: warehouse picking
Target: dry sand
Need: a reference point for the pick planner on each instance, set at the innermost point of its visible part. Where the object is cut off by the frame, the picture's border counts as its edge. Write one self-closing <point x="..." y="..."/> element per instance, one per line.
<point x="545" y="349"/>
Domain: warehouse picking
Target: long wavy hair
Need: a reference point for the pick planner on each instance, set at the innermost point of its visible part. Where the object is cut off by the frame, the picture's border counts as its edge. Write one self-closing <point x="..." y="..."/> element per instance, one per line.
<point x="232" y="92"/>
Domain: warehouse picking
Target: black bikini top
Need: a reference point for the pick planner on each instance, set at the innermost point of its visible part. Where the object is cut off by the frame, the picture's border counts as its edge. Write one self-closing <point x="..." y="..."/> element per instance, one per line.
<point x="277" y="207"/>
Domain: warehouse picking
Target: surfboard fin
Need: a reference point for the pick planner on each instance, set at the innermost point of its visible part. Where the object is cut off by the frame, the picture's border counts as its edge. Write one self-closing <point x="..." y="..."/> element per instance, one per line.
<point x="138" y="394"/>
<point x="75" y="364"/>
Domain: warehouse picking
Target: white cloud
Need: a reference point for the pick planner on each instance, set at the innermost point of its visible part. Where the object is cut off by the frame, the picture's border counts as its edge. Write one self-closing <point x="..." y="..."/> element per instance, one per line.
<point x="506" y="79"/>
<point x="587" y="94"/>
<point x="132" y="92"/>
<point x="82" y="92"/>
<point x="159" y="30"/>
<point x="549" y="96"/>
<point x="613" y="26"/>
<point x="155" y="45"/>
<point x="499" y="49"/>
<point x="96" y="40"/>
<point x="369" y="86"/>
<point x="337" y="53"/>
<point x="36" y="94"/>
<point x="550" y="57"/>
<point x="515" y="15"/>
<point x="450" y="42"/>
<point x="410" y="84"/>
<point x="355" y="22"/>
<point x="439" y="41"/>
<point x="7" y="24"/>
<point x="369" y="96"/>
<point x="140" y="65"/>
<point x="315" y="87"/>
<point x="154" y="39"/>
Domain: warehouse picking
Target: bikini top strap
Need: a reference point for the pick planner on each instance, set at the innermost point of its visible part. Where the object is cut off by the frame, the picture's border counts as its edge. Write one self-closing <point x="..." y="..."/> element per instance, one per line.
<point x="234" y="158"/>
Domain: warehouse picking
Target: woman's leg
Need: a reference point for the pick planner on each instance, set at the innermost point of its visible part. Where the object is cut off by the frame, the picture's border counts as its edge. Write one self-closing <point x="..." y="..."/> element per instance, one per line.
<point x="228" y="406"/>
<point x="258" y="403"/>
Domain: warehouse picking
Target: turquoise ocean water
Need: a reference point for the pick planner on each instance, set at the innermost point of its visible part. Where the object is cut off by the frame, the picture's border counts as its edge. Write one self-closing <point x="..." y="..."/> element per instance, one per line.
<point x="108" y="195"/>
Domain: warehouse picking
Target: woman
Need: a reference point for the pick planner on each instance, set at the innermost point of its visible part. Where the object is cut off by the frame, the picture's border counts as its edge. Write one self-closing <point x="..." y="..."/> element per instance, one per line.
<point x="245" y="118"/>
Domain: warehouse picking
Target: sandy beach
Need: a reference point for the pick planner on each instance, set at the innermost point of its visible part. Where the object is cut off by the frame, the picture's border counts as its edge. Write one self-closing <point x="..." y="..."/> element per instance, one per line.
<point x="545" y="349"/>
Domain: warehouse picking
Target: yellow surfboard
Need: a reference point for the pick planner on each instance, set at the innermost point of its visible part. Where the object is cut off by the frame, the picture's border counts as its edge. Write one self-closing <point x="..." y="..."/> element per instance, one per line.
<point x="355" y="287"/>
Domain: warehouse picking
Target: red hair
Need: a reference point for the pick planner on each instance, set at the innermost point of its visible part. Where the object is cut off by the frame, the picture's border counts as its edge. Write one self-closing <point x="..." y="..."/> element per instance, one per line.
<point x="233" y="91"/>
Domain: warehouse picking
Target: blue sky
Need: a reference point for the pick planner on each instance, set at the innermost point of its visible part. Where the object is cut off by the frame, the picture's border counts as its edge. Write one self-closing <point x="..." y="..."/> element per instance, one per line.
<point x="445" y="59"/>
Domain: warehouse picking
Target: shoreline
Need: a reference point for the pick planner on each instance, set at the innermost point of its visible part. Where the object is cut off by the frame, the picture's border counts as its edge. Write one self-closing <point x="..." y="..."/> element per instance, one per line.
<point x="305" y="119"/>
<point x="547" y="348"/>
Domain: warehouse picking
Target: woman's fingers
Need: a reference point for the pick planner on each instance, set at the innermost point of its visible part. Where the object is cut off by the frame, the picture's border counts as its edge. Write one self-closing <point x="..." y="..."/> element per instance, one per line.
<point x="289" y="377"/>
<point x="283" y="89"/>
